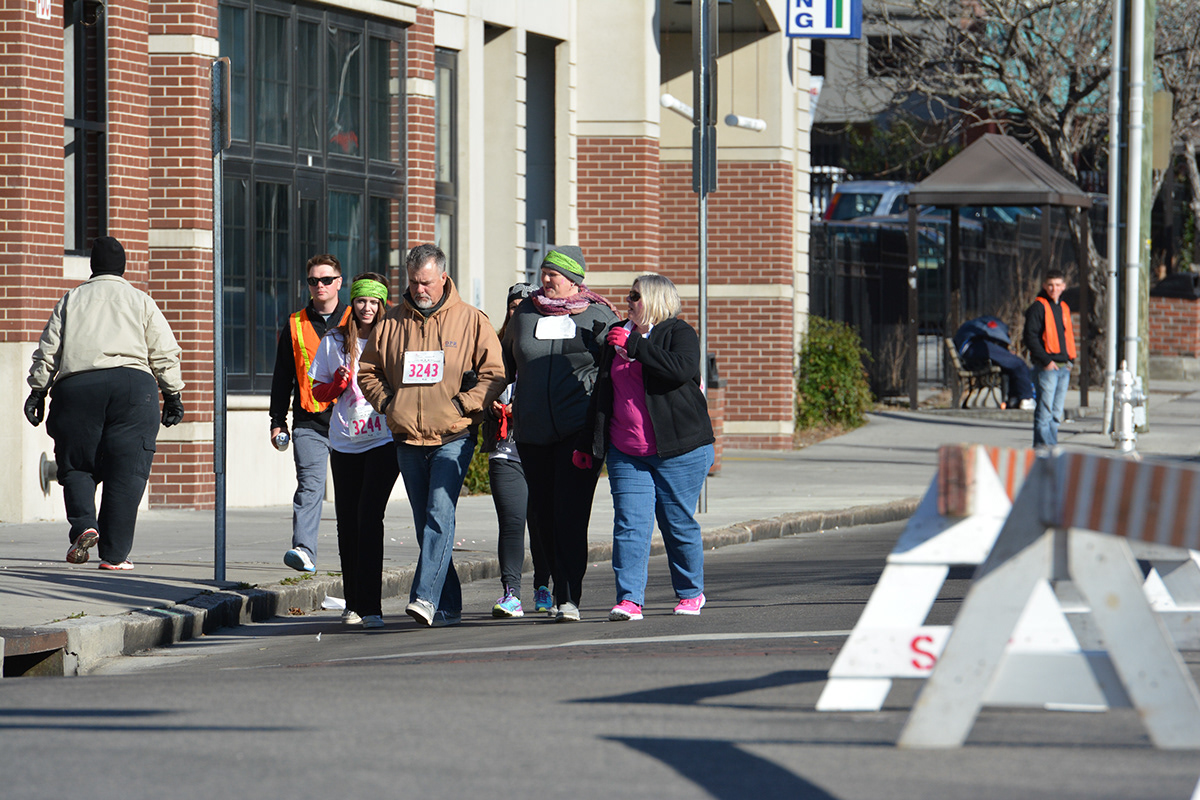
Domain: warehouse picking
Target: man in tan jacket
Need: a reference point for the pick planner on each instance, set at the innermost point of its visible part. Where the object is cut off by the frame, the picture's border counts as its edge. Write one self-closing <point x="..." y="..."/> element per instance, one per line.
<point x="431" y="367"/>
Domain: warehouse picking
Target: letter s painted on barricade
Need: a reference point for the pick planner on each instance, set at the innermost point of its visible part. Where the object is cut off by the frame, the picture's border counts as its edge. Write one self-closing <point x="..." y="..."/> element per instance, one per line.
<point x="915" y="645"/>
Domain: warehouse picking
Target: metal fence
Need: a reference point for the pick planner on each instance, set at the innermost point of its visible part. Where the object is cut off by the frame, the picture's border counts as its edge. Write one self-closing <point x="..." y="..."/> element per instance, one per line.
<point x="858" y="274"/>
<point x="822" y="181"/>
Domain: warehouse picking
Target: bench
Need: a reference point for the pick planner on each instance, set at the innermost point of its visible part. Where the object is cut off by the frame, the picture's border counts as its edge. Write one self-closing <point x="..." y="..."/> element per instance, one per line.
<point x="977" y="385"/>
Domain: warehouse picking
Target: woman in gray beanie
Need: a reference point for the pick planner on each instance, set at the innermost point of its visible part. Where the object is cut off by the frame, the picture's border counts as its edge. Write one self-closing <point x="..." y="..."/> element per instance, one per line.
<point x="553" y="342"/>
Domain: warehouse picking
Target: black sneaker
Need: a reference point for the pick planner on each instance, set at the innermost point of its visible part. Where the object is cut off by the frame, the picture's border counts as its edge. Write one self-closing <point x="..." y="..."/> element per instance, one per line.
<point x="78" y="554"/>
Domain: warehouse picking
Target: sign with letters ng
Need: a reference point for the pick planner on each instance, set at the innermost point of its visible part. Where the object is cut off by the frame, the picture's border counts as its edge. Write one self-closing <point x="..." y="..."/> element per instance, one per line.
<point x="824" y="19"/>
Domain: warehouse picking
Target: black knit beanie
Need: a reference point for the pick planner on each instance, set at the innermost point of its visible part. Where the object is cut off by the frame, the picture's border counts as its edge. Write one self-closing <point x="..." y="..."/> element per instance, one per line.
<point x="519" y="291"/>
<point x="108" y="256"/>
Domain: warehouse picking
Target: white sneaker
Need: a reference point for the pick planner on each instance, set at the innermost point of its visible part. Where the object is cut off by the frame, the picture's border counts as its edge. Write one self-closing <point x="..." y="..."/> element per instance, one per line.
<point x="567" y="612"/>
<point x="372" y="621"/>
<point x="1029" y="404"/>
<point x="350" y="618"/>
<point x="299" y="560"/>
<point x="420" y="610"/>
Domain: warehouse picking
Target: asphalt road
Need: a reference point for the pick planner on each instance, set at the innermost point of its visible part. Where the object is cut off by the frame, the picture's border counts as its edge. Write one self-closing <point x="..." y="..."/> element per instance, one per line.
<point x="718" y="706"/>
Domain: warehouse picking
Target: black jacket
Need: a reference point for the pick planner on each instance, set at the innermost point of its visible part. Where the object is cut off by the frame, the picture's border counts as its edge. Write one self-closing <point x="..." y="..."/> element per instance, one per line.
<point x="284" y="389"/>
<point x="1035" y="325"/>
<point x="670" y="359"/>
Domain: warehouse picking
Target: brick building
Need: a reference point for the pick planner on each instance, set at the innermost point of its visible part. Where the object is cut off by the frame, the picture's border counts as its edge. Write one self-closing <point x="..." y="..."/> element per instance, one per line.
<point x="363" y="127"/>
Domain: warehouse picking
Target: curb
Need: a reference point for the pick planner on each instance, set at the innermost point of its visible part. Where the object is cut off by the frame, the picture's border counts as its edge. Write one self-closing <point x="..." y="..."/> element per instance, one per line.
<point x="90" y="641"/>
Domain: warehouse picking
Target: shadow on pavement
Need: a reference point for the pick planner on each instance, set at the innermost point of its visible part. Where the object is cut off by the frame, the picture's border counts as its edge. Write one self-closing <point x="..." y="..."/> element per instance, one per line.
<point x="111" y="720"/>
<point x="697" y="692"/>
<point x="724" y="770"/>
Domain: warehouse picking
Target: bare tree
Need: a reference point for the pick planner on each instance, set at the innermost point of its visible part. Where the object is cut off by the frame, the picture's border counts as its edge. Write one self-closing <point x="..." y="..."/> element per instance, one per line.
<point x="1177" y="62"/>
<point x="1037" y="69"/>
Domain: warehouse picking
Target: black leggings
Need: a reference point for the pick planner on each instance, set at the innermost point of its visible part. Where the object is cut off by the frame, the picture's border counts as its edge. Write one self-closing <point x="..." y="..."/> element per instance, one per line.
<point x="510" y="494"/>
<point x="560" y="508"/>
<point x="362" y="483"/>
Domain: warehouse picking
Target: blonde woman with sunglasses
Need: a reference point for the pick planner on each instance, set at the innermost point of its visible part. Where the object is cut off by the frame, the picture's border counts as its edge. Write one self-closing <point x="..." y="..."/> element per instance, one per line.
<point x="649" y="420"/>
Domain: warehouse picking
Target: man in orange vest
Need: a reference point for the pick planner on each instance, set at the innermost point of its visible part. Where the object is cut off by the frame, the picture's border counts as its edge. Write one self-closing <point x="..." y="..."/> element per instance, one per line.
<point x="1050" y="339"/>
<point x="310" y="419"/>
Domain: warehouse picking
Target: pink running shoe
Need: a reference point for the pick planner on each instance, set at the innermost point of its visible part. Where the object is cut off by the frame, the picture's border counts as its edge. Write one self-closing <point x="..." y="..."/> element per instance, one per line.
<point x="690" y="607"/>
<point x="625" y="610"/>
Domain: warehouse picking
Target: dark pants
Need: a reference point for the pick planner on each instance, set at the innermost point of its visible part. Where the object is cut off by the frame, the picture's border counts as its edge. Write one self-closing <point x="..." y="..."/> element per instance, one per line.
<point x="362" y="483"/>
<point x="105" y="428"/>
<point x="510" y="494"/>
<point x="560" y="507"/>
<point x="1012" y="366"/>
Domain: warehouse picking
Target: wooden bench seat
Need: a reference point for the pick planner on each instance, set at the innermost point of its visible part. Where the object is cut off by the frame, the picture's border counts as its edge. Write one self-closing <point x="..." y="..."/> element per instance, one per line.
<point x="978" y="386"/>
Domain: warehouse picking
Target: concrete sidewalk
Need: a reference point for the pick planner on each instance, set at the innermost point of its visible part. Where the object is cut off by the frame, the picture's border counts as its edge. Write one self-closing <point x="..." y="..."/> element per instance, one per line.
<point x="58" y="618"/>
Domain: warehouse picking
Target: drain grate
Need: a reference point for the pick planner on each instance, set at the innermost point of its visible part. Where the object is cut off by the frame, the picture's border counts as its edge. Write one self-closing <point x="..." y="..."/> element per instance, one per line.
<point x="29" y="652"/>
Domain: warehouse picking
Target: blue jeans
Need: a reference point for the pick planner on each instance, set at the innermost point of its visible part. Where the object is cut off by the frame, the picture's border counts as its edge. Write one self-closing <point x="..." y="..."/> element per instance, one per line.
<point x="648" y="487"/>
<point x="433" y="478"/>
<point x="311" y="451"/>
<point x="1051" y="397"/>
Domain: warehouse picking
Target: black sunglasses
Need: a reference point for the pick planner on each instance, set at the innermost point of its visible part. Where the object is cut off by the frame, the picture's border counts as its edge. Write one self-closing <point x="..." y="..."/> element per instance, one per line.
<point x="634" y="296"/>
<point x="327" y="280"/>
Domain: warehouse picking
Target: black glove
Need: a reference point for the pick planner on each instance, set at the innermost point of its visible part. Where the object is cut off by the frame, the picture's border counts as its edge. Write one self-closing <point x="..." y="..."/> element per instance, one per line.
<point x="470" y="380"/>
<point x="35" y="408"/>
<point x="172" y="412"/>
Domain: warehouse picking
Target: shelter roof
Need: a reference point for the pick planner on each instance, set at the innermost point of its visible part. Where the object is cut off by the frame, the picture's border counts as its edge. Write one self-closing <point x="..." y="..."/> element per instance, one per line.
<point x="997" y="170"/>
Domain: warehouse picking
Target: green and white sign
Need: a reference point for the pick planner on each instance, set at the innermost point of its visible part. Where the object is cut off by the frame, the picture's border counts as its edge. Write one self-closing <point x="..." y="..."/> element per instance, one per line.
<point x="824" y="19"/>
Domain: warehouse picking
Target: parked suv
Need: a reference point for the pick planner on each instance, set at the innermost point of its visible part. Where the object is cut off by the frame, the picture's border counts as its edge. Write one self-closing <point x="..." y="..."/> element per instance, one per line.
<point x="867" y="198"/>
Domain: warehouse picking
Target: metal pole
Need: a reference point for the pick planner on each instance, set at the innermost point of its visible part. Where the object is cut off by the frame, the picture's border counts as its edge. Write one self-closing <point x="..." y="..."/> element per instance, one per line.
<point x="704" y="155"/>
<point x="1133" y="213"/>
<point x="1114" y="211"/>
<point x="913" y="308"/>
<point x="218" y="336"/>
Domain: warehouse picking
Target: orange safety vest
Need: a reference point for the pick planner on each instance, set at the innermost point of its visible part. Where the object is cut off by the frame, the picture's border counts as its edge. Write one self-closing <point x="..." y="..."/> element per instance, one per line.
<point x="304" y="347"/>
<point x="1050" y="330"/>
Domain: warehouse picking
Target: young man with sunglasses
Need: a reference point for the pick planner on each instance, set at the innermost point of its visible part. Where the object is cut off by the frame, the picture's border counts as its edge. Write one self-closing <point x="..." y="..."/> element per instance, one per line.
<point x="310" y="418"/>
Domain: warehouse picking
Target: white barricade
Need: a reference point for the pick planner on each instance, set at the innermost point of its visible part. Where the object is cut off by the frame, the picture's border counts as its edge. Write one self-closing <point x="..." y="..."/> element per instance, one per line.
<point x="1072" y="525"/>
<point x="955" y="524"/>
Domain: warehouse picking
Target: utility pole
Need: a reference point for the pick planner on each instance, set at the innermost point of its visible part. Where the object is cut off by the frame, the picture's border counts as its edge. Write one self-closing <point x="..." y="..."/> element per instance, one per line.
<point x="1145" y="173"/>
<point x="1132" y="379"/>
<point x="221" y="137"/>
<point x="704" y="156"/>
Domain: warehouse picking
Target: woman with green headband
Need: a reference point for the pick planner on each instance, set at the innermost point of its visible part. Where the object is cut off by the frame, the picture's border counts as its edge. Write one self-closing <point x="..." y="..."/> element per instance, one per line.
<point x="363" y="458"/>
<point x="553" y="342"/>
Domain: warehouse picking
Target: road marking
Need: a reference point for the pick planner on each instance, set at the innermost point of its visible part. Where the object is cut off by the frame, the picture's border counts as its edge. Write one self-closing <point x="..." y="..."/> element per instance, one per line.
<point x="680" y="638"/>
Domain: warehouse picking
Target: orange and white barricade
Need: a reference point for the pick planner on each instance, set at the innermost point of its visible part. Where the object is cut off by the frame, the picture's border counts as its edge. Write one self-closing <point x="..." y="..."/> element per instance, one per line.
<point x="1103" y="637"/>
<point x="955" y="524"/>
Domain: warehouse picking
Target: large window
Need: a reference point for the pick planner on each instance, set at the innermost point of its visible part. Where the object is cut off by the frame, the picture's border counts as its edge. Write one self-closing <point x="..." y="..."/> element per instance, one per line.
<point x="85" y="190"/>
<point x="445" y="165"/>
<point x="316" y="165"/>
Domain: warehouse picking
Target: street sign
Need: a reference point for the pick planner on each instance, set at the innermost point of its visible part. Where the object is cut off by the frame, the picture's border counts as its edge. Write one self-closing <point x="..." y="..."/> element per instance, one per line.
<point x="220" y="105"/>
<point x="824" y="19"/>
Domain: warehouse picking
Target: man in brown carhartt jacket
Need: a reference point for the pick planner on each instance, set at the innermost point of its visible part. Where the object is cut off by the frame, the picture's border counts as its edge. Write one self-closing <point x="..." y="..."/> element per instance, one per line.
<point x="430" y="367"/>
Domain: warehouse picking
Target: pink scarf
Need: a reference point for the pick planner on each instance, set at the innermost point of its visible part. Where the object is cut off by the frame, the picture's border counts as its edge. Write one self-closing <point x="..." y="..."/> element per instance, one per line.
<point x="559" y="306"/>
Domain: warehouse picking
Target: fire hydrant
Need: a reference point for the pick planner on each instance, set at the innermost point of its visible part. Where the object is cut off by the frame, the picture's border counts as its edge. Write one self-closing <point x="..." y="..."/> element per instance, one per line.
<point x="1129" y="407"/>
